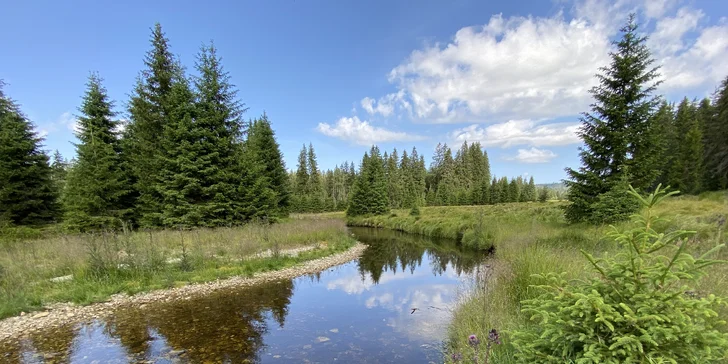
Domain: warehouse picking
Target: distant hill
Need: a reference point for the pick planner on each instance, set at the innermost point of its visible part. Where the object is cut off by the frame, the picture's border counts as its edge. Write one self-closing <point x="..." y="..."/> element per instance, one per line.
<point x="554" y="186"/>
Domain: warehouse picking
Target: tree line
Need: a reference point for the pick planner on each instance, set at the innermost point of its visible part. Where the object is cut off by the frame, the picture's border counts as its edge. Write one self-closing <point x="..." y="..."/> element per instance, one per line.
<point x="633" y="137"/>
<point x="390" y="181"/>
<point x="185" y="158"/>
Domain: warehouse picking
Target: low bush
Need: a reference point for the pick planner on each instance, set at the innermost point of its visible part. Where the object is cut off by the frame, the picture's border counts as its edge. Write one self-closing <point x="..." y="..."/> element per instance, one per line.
<point x="641" y="306"/>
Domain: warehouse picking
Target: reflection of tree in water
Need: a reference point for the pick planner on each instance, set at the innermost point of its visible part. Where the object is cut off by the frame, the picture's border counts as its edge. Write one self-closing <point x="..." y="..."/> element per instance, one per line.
<point x="221" y="327"/>
<point x="56" y="347"/>
<point x="388" y="249"/>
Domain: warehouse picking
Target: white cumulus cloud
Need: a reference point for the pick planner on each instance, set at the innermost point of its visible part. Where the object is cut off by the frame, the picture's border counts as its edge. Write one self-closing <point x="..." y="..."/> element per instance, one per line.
<point x="362" y="132"/>
<point x="519" y="132"/>
<point x="534" y="155"/>
<point x="518" y="66"/>
<point x="529" y="67"/>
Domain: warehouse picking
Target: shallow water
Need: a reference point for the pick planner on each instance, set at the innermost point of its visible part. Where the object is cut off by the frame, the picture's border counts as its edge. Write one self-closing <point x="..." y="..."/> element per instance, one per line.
<point x="358" y="312"/>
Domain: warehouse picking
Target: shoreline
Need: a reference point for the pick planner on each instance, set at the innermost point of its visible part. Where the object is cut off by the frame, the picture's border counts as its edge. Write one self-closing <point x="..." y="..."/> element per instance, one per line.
<point x="60" y="314"/>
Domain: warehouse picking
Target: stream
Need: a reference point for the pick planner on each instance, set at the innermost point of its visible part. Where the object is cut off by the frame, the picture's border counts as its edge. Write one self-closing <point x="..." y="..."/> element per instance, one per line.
<point x="393" y="304"/>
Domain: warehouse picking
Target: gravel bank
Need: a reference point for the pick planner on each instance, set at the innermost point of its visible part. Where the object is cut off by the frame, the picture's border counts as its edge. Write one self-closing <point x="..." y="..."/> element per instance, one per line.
<point x="65" y="313"/>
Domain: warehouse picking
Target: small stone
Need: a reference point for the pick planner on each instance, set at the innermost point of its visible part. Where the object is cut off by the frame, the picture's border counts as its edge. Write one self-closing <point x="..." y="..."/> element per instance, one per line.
<point x="62" y="278"/>
<point x="334" y="331"/>
<point x="176" y="352"/>
<point x="22" y="313"/>
<point x="322" y="339"/>
<point x="42" y="314"/>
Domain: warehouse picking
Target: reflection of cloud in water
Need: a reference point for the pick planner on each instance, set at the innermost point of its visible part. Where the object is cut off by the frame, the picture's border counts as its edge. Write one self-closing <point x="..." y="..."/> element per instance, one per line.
<point x="433" y="295"/>
<point x="380" y="300"/>
<point x="355" y="284"/>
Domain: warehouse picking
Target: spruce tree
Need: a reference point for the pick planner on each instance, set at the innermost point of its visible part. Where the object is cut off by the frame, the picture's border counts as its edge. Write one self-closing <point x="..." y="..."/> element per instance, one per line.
<point x="494" y="197"/>
<point x="447" y="187"/>
<point x="315" y="186"/>
<point x="717" y="130"/>
<point x="218" y="134"/>
<point x="504" y="192"/>
<point x="419" y="173"/>
<point x="97" y="184"/>
<point x="149" y="111"/>
<point x="59" y="171"/>
<point x="667" y="145"/>
<point x="369" y="194"/>
<point x="301" y="187"/>
<point x="529" y="191"/>
<point x="394" y="180"/>
<point x="261" y="138"/>
<point x="706" y="114"/>
<point x="543" y="194"/>
<point x="620" y="131"/>
<point x="258" y="200"/>
<point x="514" y="191"/>
<point x="27" y="193"/>
<point x="684" y="174"/>
<point x="183" y="163"/>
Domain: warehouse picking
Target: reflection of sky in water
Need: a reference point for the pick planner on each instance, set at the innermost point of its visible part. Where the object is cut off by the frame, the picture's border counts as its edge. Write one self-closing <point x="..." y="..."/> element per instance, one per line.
<point x="338" y="315"/>
<point x="367" y="316"/>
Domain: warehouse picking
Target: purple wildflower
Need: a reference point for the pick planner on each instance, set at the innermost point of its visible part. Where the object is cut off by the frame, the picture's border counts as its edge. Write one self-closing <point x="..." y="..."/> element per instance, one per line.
<point x="473" y="340"/>
<point x="494" y="337"/>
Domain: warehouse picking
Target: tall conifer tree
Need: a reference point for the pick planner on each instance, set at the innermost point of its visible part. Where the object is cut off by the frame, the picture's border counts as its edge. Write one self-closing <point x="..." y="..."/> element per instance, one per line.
<point x="717" y="130"/>
<point x="97" y="184"/>
<point x="27" y="193"/>
<point x="619" y="133"/>
<point x="150" y="112"/>
<point x="262" y="138"/>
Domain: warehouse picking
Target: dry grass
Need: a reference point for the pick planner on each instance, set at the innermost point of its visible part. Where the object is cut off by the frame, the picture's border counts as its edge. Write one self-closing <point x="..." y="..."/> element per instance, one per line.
<point x="108" y="263"/>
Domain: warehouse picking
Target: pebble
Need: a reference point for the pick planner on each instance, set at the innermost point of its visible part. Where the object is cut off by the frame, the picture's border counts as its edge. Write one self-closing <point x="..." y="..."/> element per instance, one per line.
<point x="58" y="314"/>
<point x="322" y="339"/>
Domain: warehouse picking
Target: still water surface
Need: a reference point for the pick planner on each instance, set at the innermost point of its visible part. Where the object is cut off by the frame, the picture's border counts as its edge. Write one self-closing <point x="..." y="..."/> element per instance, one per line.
<point x="358" y="312"/>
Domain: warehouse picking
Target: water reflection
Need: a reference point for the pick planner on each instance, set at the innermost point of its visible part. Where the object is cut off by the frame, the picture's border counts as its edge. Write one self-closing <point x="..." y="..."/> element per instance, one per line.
<point x="393" y="304"/>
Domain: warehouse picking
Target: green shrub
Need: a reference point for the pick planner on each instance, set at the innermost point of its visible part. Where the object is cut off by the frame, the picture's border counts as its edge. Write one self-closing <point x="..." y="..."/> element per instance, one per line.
<point x="615" y="205"/>
<point x="543" y="194"/>
<point x="640" y="309"/>
<point x="478" y="239"/>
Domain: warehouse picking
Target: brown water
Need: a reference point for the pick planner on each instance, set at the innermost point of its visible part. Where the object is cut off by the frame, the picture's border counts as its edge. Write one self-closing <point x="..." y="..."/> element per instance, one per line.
<point x="358" y="312"/>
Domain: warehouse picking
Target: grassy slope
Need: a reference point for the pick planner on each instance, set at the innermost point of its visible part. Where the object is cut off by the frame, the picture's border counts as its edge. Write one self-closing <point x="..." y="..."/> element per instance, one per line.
<point x="532" y="238"/>
<point x="144" y="261"/>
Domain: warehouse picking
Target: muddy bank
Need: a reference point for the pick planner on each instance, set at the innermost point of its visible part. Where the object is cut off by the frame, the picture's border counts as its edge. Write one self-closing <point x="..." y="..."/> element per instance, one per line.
<point x="63" y="314"/>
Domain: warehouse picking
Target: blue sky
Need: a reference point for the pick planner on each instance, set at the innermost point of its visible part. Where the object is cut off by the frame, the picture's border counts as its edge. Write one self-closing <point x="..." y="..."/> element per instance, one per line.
<point x="343" y="75"/>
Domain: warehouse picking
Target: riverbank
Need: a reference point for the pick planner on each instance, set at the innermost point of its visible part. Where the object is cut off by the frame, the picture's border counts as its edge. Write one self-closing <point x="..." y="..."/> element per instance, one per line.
<point x="85" y="269"/>
<point x="65" y="313"/>
<point x="479" y="227"/>
<point x="533" y="238"/>
<point x="555" y="247"/>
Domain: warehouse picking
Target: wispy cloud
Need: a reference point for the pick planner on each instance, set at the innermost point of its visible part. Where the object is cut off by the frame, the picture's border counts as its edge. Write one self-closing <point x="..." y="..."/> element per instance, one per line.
<point x="518" y="132"/>
<point x="534" y="155"/>
<point x="362" y="132"/>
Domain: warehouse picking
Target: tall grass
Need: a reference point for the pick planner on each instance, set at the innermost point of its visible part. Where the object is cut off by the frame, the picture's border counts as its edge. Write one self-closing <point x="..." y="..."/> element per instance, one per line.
<point x="475" y="226"/>
<point x="533" y="238"/>
<point x="96" y="266"/>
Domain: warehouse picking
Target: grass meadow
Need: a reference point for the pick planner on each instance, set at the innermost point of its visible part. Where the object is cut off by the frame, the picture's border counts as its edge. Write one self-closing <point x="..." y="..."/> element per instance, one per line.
<point x="533" y="238"/>
<point x="38" y="268"/>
